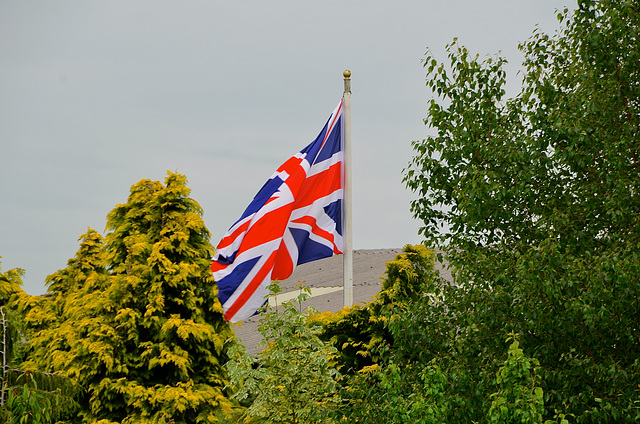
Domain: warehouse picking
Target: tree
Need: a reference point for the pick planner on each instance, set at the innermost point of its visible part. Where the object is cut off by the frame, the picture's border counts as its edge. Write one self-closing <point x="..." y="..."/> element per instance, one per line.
<point x="384" y="377"/>
<point x="518" y="399"/>
<point x="361" y="334"/>
<point x="60" y="323"/>
<point x="396" y="393"/>
<point x="50" y="318"/>
<point x="29" y="407"/>
<point x="10" y="288"/>
<point x="537" y="202"/>
<point x="141" y="330"/>
<point x="26" y="396"/>
<point x="293" y="380"/>
<point x="10" y="285"/>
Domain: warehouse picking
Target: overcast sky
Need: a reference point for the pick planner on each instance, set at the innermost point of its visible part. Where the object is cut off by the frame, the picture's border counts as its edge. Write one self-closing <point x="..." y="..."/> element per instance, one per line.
<point x="97" y="95"/>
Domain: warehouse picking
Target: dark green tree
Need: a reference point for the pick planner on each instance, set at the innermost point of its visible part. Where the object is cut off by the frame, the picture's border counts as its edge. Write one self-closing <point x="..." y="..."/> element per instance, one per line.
<point x="361" y="333"/>
<point x="537" y="201"/>
<point x="384" y="376"/>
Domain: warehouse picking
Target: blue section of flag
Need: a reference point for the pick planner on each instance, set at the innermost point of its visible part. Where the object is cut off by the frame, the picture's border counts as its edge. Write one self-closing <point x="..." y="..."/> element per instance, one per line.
<point x="308" y="249"/>
<point x="228" y="284"/>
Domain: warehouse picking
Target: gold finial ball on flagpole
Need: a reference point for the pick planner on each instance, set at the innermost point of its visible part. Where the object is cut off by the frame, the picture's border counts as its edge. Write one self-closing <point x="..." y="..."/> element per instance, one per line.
<point x="347" y="74"/>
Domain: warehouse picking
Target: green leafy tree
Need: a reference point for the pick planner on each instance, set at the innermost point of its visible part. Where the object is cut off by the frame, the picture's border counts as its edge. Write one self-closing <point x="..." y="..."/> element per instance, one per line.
<point x="361" y="333"/>
<point x="29" y="407"/>
<point x="536" y="200"/>
<point x="141" y="328"/>
<point x="519" y="399"/>
<point x="293" y="380"/>
<point x="385" y="376"/>
<point x="399" y="393"/>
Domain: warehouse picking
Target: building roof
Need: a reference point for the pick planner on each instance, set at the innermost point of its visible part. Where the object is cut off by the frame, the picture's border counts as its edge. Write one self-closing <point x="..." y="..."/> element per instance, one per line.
<point x="324" y="278"/>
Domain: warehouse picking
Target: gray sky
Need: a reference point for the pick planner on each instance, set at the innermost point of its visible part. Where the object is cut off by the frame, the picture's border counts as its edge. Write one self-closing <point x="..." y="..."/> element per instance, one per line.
<point x="95" y="96"/>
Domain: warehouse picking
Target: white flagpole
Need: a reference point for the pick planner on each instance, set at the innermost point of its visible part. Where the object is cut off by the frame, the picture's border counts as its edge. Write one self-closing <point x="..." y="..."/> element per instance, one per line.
<point x="347" y="265"/>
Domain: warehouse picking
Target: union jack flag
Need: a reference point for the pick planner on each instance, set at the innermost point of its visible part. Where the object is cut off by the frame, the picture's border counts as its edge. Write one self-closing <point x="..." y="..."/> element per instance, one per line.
<point x="295" y="218"/>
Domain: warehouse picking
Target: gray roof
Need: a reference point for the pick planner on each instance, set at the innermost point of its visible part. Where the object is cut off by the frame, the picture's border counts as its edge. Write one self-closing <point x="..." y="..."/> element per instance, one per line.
<point x="368" y="269"/>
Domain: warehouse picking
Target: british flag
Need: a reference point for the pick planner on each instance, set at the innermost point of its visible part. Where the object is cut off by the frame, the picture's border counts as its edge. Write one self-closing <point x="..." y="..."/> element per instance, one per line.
<point x="295" y="218"/>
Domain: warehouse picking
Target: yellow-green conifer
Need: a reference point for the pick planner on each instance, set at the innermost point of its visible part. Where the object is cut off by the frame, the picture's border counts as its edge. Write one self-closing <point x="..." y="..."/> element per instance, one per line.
<point x="142" y="330"/>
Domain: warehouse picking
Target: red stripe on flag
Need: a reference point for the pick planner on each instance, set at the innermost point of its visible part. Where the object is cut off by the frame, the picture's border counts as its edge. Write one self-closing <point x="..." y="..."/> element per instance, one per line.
<point x="319" y="185"/>
<point x="269" y="227"/>
<point x="229" y="239"/>
<point x="290" y="163"/>
<point x="217" y="266"/>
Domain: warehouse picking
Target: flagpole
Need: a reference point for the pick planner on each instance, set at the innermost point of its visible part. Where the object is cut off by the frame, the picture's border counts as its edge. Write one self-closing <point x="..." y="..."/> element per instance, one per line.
<point x="347" y="265"/>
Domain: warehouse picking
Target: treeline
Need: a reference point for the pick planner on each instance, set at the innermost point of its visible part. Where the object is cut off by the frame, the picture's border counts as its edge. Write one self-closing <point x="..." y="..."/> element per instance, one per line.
<point x="535" y="202"/>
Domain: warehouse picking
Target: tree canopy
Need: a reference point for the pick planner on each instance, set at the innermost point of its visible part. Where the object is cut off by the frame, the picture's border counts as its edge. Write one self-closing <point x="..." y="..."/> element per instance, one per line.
<point x="536" y="200"/>
<point x="134" y="317"/>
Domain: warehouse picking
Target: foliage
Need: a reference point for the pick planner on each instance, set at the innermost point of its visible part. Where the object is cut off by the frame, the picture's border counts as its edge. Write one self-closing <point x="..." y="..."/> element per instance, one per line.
<point x="360" y="333"/>
<point x="11" y="293"/>
<point x="518" y="400"/>
<point x="134" y="318"/>
<point x="29" y="407"/>
<point x="393" y="393"/>
<point x="536" y="200"/>
<point x="10" y="284"/>
<point x="69" y="295"/>
<point x="292" y="380"/>
<point x="57" y="393"/>
<point x="385" y="379"/>
<point x="10" y="340"/>
<point x="26" y="396"/>
<point x="53" y="330"/>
